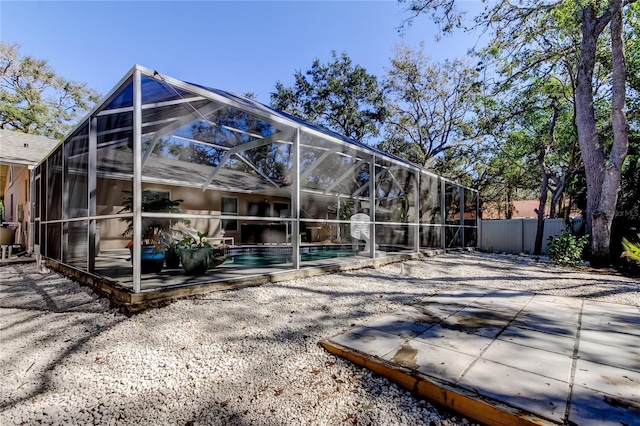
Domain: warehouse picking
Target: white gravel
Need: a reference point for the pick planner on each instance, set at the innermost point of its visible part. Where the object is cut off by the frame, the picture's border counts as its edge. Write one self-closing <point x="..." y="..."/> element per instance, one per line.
<point x="246" y="357"/>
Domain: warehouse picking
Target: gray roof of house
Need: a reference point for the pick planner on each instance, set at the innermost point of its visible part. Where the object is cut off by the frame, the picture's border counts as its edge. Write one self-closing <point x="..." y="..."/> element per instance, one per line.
<point x="119" y="163"/>
<point x="22" y="148"/>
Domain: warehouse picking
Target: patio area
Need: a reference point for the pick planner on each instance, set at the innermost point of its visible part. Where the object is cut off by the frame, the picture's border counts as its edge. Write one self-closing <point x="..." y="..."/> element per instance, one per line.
<point x="506" y="357"/>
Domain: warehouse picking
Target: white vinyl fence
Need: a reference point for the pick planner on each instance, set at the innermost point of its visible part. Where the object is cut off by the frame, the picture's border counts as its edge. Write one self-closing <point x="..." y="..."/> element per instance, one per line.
<point x="516" y="235"/>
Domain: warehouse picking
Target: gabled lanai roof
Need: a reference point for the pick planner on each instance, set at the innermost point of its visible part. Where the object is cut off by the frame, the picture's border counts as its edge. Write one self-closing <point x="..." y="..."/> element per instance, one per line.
<point x="159" y="107"/>
<point x="250" y="105"/>
<point x="258" y="106"/>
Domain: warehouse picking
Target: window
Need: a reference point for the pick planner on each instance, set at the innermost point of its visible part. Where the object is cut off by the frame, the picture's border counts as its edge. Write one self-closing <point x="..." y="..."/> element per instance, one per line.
<point x="229" y="207"/>
<point x="281" y="210"/>
<point x="259" y="209"/>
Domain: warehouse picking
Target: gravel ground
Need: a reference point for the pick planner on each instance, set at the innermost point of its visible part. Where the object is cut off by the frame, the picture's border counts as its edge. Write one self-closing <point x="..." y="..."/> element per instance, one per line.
<point x="246" y="357"/>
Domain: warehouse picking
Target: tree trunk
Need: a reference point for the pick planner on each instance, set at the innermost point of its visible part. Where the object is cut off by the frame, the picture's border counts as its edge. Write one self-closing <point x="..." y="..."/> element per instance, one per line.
<point x="556" y="199"/>
<point x="544" y="187"/>
<point x="592" y="153"/>
<point x="606" y="208"/>
<point x="603" y="174"/>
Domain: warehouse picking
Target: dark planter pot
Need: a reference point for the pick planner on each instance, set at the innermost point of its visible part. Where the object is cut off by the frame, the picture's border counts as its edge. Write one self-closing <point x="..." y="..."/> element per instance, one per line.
<point x="195" y="260"/>
<point x="151" y="259"/>
<point x="172" y="259"/>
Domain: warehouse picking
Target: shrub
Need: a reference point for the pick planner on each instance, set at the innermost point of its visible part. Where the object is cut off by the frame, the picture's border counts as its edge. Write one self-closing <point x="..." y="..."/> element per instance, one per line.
<point x="631" y="251"/>
<point x="567" y="248"/>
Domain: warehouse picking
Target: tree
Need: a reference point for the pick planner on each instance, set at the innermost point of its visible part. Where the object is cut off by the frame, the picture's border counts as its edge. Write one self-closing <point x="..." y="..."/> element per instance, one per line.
<point x="337" y="95"/>
<point x="431" y="105"/>
<point x="36" y="100"/>
<point x="517" y="29"/>
<point x="602" y="167"/>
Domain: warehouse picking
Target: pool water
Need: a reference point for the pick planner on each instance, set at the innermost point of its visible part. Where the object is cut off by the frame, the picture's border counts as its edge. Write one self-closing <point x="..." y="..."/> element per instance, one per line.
<point x="265" y="259"/>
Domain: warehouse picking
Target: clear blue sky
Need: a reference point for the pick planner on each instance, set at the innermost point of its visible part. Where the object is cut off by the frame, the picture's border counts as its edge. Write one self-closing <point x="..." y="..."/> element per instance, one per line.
<point x="239" y="46"/>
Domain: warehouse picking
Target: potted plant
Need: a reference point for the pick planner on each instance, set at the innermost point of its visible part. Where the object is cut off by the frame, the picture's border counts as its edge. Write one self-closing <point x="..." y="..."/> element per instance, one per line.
<point x="156" y="232"/>
<point x="195" y="253"/>
<point x="172" y="253"/>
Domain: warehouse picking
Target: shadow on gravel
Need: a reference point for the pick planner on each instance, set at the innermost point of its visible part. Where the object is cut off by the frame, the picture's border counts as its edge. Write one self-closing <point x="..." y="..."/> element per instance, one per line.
<point x="623" y="287"/>
<point x="552" y="278"/>
<point x="38" y="312"/>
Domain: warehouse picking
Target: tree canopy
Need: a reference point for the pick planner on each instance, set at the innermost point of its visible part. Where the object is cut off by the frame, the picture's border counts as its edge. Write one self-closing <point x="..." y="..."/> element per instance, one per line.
<point x="431" y="105"/>
<point x="533" y="40"/>
<point x="338" y="95"/>
<point x="36" y="100"/>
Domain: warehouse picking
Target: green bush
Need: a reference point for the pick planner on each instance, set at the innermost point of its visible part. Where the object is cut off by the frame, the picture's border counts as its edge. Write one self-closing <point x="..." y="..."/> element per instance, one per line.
<point x="567" y="248"/>
<point x="631" y="251"/>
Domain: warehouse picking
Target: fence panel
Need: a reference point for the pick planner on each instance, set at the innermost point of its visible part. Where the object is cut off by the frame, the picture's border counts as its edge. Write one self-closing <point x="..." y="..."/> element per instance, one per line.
<point x="516" y="235"/>
<point x="552" y="228"/>
<point x="501" y="235"/>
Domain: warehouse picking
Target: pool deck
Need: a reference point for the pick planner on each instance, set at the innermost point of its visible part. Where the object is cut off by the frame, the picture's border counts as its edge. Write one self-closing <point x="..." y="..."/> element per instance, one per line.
<point x="503" y="357"/>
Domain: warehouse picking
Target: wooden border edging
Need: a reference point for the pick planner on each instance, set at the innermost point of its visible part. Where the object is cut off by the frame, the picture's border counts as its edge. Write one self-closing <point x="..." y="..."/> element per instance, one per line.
<point x="130" y="303"/>
<point x="481" y="409"/>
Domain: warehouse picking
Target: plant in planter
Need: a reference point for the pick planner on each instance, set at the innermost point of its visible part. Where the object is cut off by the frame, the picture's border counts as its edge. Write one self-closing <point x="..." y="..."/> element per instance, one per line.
<point x="172" y="254"/>
<point x="198" y="254"/>
<point x="195" y="252"/>
<point x="156" y="233"/>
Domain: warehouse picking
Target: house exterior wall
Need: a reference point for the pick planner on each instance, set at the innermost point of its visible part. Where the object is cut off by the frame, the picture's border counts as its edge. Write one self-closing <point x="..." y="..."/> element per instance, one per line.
<point x="194" y="202"/>
<point x="16" y="202"/>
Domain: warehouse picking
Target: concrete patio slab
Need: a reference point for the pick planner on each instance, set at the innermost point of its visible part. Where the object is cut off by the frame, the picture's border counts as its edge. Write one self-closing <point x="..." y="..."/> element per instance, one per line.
<point x="430" y="359"/>
<point x="533" y="360"/>
<point x="531" y="392"/>
<point x="508" y="357"/>
<point x="546" y="324"/>
<point x="370" y="340"/>
<point x="613" y="338"/>
<point x="457" y="340"/>
<point x="537" y="339"/>
<point x="628" y="358"/>
<point x="614" y="381"/>
<point x="589" y="407"/>
<point x="399" y="326"/>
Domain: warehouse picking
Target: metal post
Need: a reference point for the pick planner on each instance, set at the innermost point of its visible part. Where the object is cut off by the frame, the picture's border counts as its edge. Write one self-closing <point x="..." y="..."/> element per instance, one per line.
<point x="372" y="206"/>
<point x="36" y="209"/>
<point x="338" y="236"/>
<point x="92" y="188"/>
<point x="416" y="212"/>
<point x="137" y="178"/>
<point x="478" y="222"/>
<point x="443" y="214"/>
<point x="64" y="214"/>
<point x="295" y="203"/>
<point x="44" y="209"/>
<point x="462" y="210"/>
<point x="31" y="220"/>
